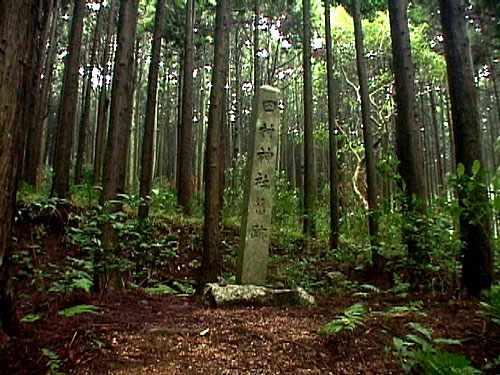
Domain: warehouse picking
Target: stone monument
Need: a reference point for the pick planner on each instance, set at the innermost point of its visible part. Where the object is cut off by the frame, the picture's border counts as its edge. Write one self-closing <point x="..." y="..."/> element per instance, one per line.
<point x="259" y="191"/>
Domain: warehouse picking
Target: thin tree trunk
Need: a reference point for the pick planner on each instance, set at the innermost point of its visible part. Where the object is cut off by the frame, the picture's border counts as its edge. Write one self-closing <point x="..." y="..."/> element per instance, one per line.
<point x="43" y="111"/>
<point x="185" y="152"/>
<point x="85" y="117"/>
<point x="332" y="138"/>
<point x="102" y="110"/>
<point x="477" y="265"/>
<point x="146" y="178"/>
<point x="201" y="131"/>
<point x="68" y="108"/>
<point x="408" y="145"/>
<point x="437" y="137"/>
<point x="309" y="173"/>
<point x="211" y="257"/>
<point x="371" y="175"/>
<point x="32" y="161"/>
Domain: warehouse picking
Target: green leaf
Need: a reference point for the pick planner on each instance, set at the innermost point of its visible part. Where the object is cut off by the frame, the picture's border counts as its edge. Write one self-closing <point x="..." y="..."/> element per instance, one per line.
<point x="80" y="309"/>
<point x="476" y="167"/>
<point x="50" y="354"/>
<point x="398" y="343"/>
<point x="161" y="290"/>
<point x="30" y="318"/>
<point x="460" y="170"/>
<point x="496" y="203"/>
<point x="419" y="340"/>
<point x="83" y="283"/>
<point x="445" y="341"/>
<point x="419" y="328"/>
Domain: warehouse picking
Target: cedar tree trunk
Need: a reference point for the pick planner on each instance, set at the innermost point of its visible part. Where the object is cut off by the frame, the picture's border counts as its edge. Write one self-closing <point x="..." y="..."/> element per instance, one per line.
<point x="17" y="33"/>
<point x="67" y="110"/>
<point x="477" y="265"/>
<point x="371" y="174"/>
<point x="408" y="144"/>
<point x="211" y="262"/>
<point x="332" y="128"/>
<point x="185" y="151"/>
<point x="146" y="178"/>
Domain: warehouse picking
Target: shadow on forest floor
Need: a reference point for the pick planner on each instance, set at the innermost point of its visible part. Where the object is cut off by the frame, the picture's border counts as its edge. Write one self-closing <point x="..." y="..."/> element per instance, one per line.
<point x="137" y="333"/>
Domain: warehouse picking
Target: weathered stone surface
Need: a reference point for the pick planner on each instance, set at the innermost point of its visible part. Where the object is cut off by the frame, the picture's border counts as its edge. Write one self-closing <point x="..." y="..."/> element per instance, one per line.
<point x="258" y="198"/>
<point x="230" y="295"/>
<point x="336" y="277"/>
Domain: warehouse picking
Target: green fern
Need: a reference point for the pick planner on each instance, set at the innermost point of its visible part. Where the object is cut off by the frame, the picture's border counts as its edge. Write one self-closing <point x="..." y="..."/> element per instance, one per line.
<point x="421" y="351"/>
<point x="352" y="317"/>
<point x="442" y="362"/>
<point x="30" y="318"/>
<point x="492" y="306"/>
<point x="80" y="309"/>
<point x="160" y="290"/>
<point x="53" y="363"/>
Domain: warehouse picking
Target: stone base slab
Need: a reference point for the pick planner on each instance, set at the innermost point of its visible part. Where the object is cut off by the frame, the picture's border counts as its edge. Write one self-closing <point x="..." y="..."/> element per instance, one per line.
<point x="240" y="295"/>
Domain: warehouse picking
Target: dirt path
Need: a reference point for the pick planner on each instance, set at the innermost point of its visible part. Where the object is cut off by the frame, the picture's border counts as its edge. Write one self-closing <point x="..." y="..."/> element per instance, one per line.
<point x="180" y="336"/>
<point x="169" y="335"/>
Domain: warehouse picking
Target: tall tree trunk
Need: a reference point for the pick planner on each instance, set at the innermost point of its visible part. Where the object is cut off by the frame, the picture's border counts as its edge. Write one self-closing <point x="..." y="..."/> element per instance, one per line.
<point x="146" y="178"/>
<point x="437" y="137"/>
<point x="477" y="265"/>
<point x="114" y="172"/>
<point x="309" y="174"/>
<point x="43" y="111"/>
<point x="16" y="52"/>
<point x="332" y="138"/>
<point x="185" y="151"/>
<point x="408" y="145"/>
<point x="211" y="262"/>
<point x="102" y="109"/>
<point x="85" y="116"/>
<point x="32" y="160"/>
<point x="68" y="107"/>
<point x="371" y="174"/>
<point x="201" y="131"/>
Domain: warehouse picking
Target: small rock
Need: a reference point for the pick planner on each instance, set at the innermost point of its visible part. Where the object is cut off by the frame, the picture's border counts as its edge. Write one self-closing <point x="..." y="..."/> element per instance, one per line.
<point x="336" y="276"/>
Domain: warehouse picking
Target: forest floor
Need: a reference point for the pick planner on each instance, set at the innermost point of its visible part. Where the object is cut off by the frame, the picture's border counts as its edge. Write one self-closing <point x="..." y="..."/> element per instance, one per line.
<point x="138" y="333"/>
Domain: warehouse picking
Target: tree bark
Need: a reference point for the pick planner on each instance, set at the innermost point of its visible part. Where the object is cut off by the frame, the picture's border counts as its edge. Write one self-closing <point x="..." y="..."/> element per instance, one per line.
<point x="32" y="160"/>
<point x="309" y="174"/>
<point x="68" y="108"/>
<point x="115" y="168"/>
<point x="211" y="262"/>
<point x="371" y="174"/>
<point x="102" y="109"/>
<point x="185" y="151"/>
<point x="332" y="138"/>
<point x="408" y="144"/>
<point x="477" y="265"/>
<point x="437" y="137"/>
<point x="17" y="34"/>
<point x="43" y="111"/>
<point x="146" y="178"/>
<point x="85" y="116"/>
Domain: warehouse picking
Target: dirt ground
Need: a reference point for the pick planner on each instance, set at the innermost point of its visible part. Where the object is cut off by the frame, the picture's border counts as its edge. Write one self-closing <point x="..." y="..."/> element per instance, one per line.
<point x="138" y="333"/>
<point x="141" y="334"/>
